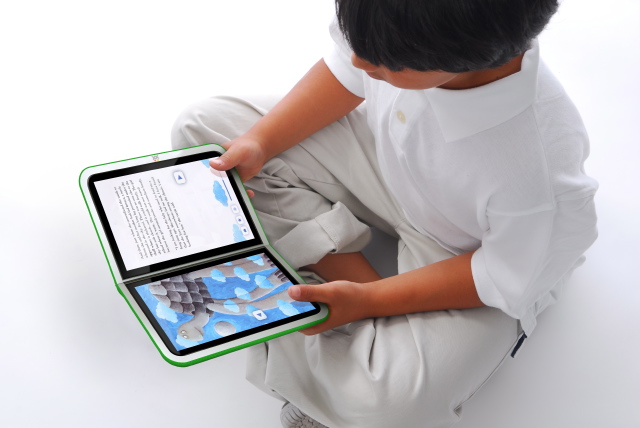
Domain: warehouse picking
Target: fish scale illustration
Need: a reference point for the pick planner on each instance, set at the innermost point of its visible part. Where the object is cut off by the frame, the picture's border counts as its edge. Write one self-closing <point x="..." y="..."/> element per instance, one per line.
<point x="183" y="294"/>
<point x="188" y="294"/>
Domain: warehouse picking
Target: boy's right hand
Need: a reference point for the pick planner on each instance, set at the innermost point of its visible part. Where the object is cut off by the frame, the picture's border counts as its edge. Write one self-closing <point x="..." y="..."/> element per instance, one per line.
<point x="245" y="154"/>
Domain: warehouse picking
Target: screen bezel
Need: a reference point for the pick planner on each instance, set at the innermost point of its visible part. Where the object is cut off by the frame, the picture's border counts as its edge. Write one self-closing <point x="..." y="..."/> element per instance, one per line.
<point x="172" y="263"/>
<point x="223" y="340"/>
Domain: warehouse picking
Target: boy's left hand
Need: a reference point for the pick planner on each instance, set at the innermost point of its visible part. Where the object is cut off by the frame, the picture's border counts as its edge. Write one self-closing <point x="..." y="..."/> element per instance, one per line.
<point x="344" y="299"/>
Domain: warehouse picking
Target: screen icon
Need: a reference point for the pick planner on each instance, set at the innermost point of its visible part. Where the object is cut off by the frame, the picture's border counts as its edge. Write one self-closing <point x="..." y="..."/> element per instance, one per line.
<point x="245" y="230"/>
<point x="179" y="177"/>
<point x="259" y="315"/>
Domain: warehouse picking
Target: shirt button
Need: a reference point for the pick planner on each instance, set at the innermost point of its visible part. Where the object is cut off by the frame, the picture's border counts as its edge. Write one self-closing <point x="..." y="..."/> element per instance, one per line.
<point x="401" y="117"/>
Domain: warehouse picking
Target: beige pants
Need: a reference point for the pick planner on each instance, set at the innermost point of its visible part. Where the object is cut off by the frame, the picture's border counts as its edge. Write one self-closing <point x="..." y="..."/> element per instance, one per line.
<point x="320" y="197"/>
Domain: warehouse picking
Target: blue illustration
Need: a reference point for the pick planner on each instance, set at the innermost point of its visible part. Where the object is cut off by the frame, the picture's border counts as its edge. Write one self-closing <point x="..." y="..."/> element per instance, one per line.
<point x="220" y="300"/>
<point x="220" y="194"/>
<point x="257" y="259"/>
<point x="237" y="234"/>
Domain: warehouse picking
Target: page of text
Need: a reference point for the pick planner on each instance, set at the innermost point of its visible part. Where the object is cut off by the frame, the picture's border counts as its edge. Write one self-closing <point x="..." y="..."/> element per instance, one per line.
<point x="172" y="212"/>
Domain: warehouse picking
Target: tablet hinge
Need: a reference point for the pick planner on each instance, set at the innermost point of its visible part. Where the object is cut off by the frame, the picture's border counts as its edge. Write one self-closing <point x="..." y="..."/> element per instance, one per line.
<point x="210" y="260"/>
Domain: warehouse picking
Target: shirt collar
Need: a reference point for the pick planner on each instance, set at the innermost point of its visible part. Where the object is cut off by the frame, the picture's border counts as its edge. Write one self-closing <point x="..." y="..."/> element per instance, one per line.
<point x="465" y="112"/>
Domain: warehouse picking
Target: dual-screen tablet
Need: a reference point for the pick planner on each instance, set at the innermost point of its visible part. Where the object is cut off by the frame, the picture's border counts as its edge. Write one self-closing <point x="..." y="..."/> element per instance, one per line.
<point x="189" y="255"/>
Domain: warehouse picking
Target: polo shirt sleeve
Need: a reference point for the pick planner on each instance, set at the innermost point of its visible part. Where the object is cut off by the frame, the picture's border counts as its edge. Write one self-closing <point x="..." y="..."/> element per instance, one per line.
<point x="339" y="62"/>
<point x="523" y="256"/>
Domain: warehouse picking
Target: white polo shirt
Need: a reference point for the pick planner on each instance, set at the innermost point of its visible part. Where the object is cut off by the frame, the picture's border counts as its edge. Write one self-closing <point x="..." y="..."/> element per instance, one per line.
<point x="497" y="169"/>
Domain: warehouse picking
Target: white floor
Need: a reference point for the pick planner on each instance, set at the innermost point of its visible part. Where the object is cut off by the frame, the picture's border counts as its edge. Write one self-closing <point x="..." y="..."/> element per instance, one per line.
<point x="82" y="84"/>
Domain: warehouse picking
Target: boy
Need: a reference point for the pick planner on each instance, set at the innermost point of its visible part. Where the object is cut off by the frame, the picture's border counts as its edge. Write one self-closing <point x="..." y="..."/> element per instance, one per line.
<point x="467" y="150"/>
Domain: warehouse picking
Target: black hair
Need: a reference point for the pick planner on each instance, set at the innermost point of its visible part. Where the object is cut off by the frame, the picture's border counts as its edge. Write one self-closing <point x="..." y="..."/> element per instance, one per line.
<point x="446" y="35"/>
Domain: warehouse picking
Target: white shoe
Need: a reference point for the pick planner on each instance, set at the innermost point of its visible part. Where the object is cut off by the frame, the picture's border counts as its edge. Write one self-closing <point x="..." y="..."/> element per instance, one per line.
<point x="292" y="417"/>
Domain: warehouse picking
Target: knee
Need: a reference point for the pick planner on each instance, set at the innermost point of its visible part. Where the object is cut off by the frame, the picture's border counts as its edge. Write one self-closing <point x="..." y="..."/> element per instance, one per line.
<point x="207" y="121"/>
<point x="185" y="128"/>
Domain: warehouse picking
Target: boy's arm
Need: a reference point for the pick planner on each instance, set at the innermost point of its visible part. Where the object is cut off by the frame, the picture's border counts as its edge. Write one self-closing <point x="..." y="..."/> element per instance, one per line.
<point x="316" y="101"/>
<point x="447" y="284"/>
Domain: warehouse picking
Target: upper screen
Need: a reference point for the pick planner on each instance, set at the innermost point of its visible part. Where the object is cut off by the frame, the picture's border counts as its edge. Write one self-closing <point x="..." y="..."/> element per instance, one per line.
<point x="168" y="211"/>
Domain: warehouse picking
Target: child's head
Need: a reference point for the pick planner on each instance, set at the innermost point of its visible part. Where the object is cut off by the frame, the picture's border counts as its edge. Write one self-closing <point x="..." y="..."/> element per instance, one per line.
<point x="454" y="36"/>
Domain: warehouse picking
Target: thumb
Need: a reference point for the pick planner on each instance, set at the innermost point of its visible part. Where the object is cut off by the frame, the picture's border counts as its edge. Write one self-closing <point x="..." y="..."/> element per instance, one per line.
<point x="304" y="293"/>
<point x="227" y="160"/>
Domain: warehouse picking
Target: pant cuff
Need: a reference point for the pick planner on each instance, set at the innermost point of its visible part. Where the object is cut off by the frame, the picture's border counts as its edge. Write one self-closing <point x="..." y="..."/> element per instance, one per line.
<point x="335" y="231"/>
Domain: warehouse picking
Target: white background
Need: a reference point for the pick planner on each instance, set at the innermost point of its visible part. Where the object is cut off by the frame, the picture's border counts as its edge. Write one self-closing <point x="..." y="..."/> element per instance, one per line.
<point x="83" y="83"/>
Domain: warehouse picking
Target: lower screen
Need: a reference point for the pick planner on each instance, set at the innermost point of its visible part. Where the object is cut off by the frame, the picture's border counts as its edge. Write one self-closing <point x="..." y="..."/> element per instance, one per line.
<point x="219" y="303"/>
